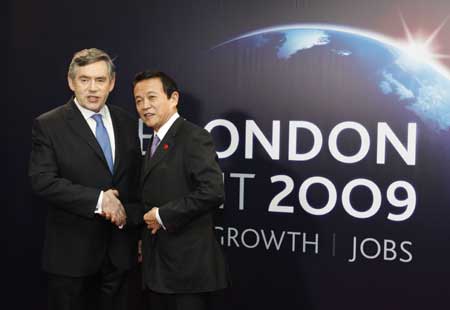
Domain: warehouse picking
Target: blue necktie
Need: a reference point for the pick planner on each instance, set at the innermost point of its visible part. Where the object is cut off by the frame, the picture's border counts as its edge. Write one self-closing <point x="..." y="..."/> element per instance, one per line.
<point x="103" y="139"/>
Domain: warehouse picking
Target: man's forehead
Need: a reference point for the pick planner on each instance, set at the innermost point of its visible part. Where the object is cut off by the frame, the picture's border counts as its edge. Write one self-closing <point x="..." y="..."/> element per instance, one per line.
<point x="96" y="75"/>
<point x="152" y="85"/>
<point x="98" y="68"/>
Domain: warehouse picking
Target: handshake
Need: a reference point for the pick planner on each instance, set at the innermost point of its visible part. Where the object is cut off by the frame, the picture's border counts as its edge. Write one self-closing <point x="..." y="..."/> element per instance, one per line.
<point x="112" y="208"/>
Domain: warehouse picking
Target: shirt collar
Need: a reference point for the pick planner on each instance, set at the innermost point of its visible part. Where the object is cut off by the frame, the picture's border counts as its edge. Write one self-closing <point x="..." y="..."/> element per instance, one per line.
<point x="161" y="133"/>
<point x="88" y="113"/>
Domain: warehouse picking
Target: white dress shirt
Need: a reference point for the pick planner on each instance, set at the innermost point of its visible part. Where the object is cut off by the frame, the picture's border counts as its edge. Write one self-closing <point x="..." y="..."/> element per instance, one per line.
<point x="161" y="133"/>
<point x="106" y="117"/>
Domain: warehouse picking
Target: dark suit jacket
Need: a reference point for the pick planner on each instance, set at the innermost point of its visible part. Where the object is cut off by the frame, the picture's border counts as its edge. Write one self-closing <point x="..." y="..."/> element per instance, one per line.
<point x="68" y="169"/>
<point x="184" y="180"/>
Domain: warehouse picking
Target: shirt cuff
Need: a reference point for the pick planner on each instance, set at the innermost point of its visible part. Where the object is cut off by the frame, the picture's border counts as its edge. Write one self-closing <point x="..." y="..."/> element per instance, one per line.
<point x="159" y="219"/>
<point x="98" y="208"/>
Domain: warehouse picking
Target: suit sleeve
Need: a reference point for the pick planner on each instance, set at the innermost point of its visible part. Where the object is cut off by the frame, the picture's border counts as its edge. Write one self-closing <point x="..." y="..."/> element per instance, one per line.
<point x="206" y="177"/>
<point x="47" y="183"/>
<point x="134" y="208"/>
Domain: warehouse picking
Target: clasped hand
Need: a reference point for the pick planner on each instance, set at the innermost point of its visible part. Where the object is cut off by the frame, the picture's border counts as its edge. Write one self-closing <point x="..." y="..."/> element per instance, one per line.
<point x="151" y="220"/>
<point x="112" y="208"/>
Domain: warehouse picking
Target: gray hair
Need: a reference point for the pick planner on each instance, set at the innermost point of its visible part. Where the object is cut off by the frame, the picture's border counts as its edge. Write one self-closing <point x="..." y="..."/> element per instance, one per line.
<point x="88" y="56"/>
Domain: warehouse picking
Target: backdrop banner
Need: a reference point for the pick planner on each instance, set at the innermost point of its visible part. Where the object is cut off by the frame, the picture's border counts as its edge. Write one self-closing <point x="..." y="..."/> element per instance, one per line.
<point x="332" y="126"/>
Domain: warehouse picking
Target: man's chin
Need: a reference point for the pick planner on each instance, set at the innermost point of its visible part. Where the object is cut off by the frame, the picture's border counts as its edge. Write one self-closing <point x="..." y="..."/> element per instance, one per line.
<point x="149" y="124"/>
<point x="93" y="106"/>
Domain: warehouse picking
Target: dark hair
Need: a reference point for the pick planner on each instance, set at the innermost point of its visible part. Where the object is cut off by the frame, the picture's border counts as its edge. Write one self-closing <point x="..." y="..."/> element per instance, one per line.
<point x="168" y="84"/>
<point x="88" y="56"/>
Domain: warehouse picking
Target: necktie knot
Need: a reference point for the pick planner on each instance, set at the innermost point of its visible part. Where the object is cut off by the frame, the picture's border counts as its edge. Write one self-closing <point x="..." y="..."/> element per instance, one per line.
<point x="98" y="118"/>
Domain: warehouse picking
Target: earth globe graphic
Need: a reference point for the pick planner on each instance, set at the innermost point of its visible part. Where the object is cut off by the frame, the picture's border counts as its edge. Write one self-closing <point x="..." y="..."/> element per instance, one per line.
<point x="414" y="83"/>
<point x="326" y="75"/>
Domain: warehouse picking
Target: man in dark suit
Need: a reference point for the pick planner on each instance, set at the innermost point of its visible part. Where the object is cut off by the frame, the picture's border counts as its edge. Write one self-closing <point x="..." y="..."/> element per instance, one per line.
<point x="85" y="164"/>
<point x="183" y="264"/>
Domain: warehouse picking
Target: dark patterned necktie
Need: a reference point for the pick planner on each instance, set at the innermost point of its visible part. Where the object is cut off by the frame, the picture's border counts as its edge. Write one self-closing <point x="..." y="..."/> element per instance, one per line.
<point x="155" y="143"/>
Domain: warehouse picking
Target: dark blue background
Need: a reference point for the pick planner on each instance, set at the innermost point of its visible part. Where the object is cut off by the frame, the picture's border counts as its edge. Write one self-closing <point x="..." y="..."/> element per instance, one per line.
<point x="41" y="37"/>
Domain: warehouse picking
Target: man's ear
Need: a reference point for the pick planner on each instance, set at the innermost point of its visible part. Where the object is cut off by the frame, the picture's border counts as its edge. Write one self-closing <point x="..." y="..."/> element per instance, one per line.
<point x="70" y="81"/>
<point x="113" y="83"/>
<point x="174" y="99"/>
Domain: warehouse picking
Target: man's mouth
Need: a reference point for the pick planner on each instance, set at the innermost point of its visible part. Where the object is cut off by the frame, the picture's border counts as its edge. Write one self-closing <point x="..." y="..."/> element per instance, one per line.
<point x="93" y="99"/>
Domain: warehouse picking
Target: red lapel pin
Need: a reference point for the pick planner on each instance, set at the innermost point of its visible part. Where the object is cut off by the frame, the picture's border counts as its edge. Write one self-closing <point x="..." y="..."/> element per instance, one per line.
<point x="165" y="147"/>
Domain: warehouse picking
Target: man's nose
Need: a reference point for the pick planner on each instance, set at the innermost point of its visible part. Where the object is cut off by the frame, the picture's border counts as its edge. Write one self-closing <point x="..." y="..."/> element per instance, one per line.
<point x="93" y="86"/>
<point x="146" y="104"/>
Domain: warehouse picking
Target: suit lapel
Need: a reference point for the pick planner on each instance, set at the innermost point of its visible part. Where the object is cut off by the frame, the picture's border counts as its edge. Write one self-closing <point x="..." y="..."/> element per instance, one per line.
<point x="165" y="146"/>
<point x="79" y="125"/>
<point x="118" y="138"/>
<point x="146" y="161"/>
